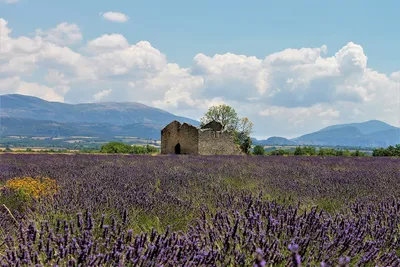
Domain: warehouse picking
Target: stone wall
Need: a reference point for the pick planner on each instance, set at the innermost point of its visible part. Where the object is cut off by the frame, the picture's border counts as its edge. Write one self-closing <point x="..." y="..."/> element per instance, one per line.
<point x="189" y="139"/>
<point x="183" y="134"/>
<point x="216" y="143"/>
<point x="192" y="140"/>
<point x="170" y="137"/>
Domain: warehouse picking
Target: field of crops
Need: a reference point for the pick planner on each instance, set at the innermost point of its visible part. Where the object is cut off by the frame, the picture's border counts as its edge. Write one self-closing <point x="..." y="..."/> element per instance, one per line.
<point x="98" y="210"/>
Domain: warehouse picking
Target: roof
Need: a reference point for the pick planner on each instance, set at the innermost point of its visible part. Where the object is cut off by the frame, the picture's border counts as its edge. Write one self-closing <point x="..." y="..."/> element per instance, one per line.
<point x="214" y="125"/>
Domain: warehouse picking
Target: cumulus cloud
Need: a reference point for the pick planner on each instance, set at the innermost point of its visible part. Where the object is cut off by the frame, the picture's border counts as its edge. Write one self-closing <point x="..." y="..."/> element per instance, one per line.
<point x="297" y="116"/>
<point x="285" y="93"/>
<point x="102" y="94"/>
<point x="16" y="85"/>
<point x="115" y="16"/>
<point x="108" y="42"/>
<point x="63" y="34"/>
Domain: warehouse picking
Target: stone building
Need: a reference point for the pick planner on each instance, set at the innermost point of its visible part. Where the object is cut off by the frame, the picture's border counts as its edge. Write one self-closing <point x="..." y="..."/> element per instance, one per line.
<point x="211" y="139"/>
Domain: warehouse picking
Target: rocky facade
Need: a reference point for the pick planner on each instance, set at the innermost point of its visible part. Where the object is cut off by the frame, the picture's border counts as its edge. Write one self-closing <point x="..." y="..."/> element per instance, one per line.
<point x="177" y="138"/>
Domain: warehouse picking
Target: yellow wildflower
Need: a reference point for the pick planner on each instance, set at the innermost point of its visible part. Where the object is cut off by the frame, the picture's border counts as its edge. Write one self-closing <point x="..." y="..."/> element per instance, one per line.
<point x="33" y="187"/>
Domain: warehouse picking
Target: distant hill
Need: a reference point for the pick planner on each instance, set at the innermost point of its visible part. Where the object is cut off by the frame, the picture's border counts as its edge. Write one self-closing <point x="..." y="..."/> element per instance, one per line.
<point x="275" y="140"/>
<point x="29" y="107"/>
<point x="31" y="127"/>
<point x="372" y="133"/>
<point x="32" y="116"/>
<point x="368" y="127"/>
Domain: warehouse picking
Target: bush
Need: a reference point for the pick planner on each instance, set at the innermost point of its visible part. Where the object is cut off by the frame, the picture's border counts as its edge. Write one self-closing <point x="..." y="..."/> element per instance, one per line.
<point x="116" y="147"/>
<point x="258" y="150"/>
<point x="244" y="142"/>
<point x="305" y="151"/>
<point x="121" y="148"/>
<point x="151" y="149"/>
<point x="391" y="151"/>
<point x="358" y="153"/>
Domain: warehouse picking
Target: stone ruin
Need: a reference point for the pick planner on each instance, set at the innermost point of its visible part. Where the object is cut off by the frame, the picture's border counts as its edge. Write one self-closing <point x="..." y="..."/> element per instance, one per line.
<point x="210" y="139"/>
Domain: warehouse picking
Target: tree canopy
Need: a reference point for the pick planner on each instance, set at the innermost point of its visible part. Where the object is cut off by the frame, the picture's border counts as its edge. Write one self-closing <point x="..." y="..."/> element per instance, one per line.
<point x="223" y="114"/>
<point x="122" y="148"/>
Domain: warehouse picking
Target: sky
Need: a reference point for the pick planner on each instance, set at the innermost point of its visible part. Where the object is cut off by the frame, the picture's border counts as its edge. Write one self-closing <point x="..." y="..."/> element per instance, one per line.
<point x="292" y="67"/>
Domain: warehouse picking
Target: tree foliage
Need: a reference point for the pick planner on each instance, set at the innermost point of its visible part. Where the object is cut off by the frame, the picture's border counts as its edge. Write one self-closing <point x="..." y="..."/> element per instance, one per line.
<point x="391" y="151"/>
<point x="223" y="114"/>
<point x="258" y="150"/>
<point x="121" y="148"/>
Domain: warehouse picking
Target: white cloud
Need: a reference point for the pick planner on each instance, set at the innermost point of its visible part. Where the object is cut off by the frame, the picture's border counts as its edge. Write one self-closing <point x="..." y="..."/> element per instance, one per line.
<point x="115" y="16"/>
<point x="16" y="85"/>
<point x="102" y="94"/>
<point x="351" y="59"/>
<point x="108" y="42"/>
<point x="286" y="93"/>
<point x="395" y="76"/>
<point x="63" y="34"/>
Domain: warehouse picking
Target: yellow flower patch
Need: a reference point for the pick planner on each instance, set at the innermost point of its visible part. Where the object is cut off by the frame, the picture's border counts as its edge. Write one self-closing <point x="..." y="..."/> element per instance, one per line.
<point x="33" y="186"/>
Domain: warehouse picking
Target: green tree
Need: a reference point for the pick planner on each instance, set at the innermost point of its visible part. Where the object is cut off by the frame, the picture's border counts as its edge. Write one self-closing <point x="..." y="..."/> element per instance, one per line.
<point x="258" y="150"/>
<point x="391" y="151"/>
<point x="339" y="153"/>
<point x="223" y="114"/>
<point x="122" y="148"/>
<point x="298" y="151"/>
<point x="151" y="149"/>
<point x="358" y="153"/>
<point x="116" y="147"/>
<point x="309" y="151"/>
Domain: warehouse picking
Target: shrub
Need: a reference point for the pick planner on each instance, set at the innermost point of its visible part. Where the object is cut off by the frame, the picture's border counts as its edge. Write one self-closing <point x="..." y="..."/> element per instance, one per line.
<point x="298" y="151"/>
<point x="116" y="147"/>
<point x="151" y="149"/>
<point x="121" y="148"/>
<point x="258" y="150"/>
<point x="279" y="152"/>
<point x="358" y="153"/>
<point x="391" y="151"/>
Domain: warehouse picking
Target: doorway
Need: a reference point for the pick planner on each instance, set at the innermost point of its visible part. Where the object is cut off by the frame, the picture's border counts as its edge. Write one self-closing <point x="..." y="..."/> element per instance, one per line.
<point x="178" y="149"/>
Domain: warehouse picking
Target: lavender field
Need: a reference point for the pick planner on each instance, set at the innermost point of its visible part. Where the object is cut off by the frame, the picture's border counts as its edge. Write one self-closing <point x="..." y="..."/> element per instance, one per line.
<point x="202" y="211"/>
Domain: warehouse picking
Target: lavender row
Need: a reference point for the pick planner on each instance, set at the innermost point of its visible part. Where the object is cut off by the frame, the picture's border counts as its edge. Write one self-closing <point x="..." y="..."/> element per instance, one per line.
<point x="251" y="231"/>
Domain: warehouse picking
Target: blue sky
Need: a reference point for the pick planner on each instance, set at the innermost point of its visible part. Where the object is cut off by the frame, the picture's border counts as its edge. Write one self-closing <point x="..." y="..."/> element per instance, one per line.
<point x="244" y="53"/>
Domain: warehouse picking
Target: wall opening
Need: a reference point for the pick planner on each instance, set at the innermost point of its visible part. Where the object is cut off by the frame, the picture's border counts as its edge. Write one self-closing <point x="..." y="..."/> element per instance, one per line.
<point x="178" y="149"/>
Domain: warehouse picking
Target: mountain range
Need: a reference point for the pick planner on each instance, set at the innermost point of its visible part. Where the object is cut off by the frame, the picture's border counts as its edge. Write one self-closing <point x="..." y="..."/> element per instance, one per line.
<point x="32" y="116"/>
<point x="115" y="113"/>
<point x="23" y="115"/>
<point x="371" y="133"/>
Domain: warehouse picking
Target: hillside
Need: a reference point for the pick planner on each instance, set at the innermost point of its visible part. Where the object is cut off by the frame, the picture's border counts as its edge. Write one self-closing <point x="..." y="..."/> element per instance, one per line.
<point x="367" y="134"/>
<point x="31" y="127"/>
<point x="275" y="140"/>
<point x="32" y="116"/>
<point x="372" y="133"/>
<point x="367" y="127"/>
<point x="22" y="106"/>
